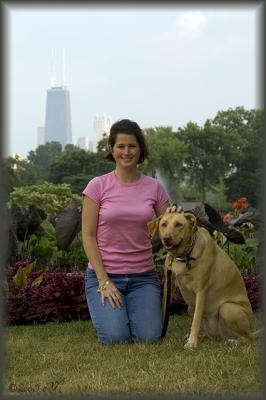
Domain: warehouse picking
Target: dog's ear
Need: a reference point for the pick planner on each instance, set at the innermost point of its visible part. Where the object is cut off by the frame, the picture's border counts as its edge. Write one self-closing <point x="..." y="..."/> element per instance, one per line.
<point x="153" y="226"/>
<point x="191" y="218"/>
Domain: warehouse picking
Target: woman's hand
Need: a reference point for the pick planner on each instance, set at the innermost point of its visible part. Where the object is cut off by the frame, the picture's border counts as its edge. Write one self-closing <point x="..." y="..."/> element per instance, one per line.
<point x="109" y="291"/>
<point x="174" y="208"/>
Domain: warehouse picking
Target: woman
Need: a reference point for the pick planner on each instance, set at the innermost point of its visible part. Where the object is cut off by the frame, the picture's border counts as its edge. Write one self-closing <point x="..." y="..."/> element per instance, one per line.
<point x="122" y="287"/>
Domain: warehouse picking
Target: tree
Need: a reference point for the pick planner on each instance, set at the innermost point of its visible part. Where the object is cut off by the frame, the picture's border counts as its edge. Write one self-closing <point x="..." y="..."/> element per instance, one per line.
<point x="102" y="145"/>
<point x="43" y="157"/>
<point x="165" y="161"/>
<point x="246" y="171"/>
<point x="77" y="166"/>
<point x="205" y="161"/>
<point x="217" y="197"/>
<point x="18" y="172"/>
<point x="69" y="163"/>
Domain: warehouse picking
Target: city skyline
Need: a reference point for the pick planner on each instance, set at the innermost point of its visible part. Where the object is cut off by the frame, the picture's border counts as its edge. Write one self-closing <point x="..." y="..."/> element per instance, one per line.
<point x="180" y="64"/>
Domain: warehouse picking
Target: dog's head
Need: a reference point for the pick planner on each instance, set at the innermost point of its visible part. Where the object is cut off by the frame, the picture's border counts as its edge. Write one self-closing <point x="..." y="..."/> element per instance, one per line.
<point x="175" y="229"/>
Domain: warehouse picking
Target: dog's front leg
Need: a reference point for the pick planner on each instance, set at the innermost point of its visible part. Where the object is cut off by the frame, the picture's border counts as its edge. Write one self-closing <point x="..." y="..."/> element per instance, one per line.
<point x="196" y="322"/>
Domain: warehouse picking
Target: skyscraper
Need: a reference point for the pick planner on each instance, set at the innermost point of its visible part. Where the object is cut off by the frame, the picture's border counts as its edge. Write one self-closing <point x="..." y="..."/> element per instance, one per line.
<point x="101" y="125"/>
<point x="57" y="115"/>
<point x="40" y="135"/>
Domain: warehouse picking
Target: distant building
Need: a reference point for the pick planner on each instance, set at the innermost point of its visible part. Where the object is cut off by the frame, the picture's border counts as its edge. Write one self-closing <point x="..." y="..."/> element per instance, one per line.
<point x="101" y="125"/>
<point x="90" y="145"/>
<point x="83" y="142"/>
<point x="40" y="135"/>
<point x="57" y="116"/>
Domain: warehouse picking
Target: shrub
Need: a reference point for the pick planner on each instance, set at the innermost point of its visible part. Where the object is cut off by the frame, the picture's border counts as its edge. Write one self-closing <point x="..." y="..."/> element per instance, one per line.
<point x="50" y="197"/>
<point x="254" y="290"/>
<point x="47" y="297"/>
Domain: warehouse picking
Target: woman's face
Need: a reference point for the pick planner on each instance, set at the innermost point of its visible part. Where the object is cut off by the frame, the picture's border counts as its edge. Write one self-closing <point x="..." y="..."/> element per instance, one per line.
<point x="126" y="150"/>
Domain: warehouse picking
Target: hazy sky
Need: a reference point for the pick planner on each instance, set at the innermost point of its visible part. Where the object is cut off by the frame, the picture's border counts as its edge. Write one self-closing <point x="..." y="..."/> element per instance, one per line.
<point x="160" y="66"/>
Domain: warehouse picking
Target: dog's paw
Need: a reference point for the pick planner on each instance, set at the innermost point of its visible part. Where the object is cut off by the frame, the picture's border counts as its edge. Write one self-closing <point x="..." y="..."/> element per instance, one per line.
<point x="191" y="344"/>
<point x="233" y="341"/>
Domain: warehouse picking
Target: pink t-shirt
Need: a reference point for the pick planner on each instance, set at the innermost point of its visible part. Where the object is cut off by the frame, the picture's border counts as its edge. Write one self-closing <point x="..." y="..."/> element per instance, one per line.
<point x="125" y="208"/>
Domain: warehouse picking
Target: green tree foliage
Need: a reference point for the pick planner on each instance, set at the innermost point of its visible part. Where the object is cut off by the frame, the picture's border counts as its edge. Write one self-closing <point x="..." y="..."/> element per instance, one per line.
<point x="166" y="156"/>
<point x="76" y="167"/>
<point x="73" y="161"/>
<point x="43" y="157"/>
<point x="18" y="172"/>
<point x="102" y="145"/>
<point x="217" y="196"/>
<point x="166" y="152"/>
<point x="204" y="162"/>
<point x="246" y="170"/>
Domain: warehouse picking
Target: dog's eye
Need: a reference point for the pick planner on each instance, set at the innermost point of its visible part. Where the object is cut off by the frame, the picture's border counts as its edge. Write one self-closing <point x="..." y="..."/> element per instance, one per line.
<point x="178" y="225"/>
<point x="164" y="224"/>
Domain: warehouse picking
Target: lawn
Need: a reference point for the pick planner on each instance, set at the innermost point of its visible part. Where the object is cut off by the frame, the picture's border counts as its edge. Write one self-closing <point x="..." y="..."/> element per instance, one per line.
<point x="67" y="358"/>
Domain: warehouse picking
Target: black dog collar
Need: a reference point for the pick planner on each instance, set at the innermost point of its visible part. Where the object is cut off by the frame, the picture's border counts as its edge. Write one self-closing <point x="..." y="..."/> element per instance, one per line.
<point x="186" y="256"/>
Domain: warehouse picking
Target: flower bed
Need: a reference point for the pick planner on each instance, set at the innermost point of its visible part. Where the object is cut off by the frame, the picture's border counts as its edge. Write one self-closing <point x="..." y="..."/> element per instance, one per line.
<point x="60" y="297"/>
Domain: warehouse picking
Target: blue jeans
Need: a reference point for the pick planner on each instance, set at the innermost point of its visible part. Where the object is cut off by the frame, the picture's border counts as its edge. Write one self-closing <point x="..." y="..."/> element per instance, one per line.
<point x="140" y="317"/>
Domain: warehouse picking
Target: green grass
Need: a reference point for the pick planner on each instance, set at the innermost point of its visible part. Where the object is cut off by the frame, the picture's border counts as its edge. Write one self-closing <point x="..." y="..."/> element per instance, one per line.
<point x="67" y="358"/>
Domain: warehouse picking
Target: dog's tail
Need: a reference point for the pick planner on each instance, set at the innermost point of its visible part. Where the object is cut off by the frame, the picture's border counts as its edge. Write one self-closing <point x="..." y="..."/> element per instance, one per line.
<point x="257" y="334"/>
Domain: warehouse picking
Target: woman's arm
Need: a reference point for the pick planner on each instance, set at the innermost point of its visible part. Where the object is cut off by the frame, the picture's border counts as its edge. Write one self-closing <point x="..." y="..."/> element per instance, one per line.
<point x="90" y="213"/>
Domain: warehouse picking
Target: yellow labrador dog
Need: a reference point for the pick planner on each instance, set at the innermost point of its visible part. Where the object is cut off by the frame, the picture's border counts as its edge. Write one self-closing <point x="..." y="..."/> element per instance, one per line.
<point x="208" y="279"/>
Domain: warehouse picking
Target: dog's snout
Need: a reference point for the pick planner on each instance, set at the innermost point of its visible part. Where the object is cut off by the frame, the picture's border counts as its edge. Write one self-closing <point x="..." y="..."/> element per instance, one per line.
<point x="167" y="238"/>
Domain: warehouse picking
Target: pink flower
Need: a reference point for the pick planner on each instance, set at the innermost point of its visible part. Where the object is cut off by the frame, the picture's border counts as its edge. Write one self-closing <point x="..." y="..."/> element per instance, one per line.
<point x="227" y="217"/>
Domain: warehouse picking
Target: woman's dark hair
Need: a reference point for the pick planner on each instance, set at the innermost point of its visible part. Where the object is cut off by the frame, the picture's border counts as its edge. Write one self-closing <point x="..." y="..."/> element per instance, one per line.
<point x="130" y="128"/>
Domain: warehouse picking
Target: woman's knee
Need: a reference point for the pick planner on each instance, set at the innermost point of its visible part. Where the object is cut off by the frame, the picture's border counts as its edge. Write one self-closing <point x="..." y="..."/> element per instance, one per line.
<point x="110" y="338"/>
<point x="142" y="333"/>
<point x="112" y="330"/>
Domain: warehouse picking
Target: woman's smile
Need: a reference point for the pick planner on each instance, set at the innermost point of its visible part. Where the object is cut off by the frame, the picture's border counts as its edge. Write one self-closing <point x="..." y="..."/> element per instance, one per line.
<point x="126" y="149"/>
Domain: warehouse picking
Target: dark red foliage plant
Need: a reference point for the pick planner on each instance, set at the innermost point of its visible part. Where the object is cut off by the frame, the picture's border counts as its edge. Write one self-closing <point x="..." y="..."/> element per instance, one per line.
<point x="48" y="297"/>
<point x="254" y="288"/>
